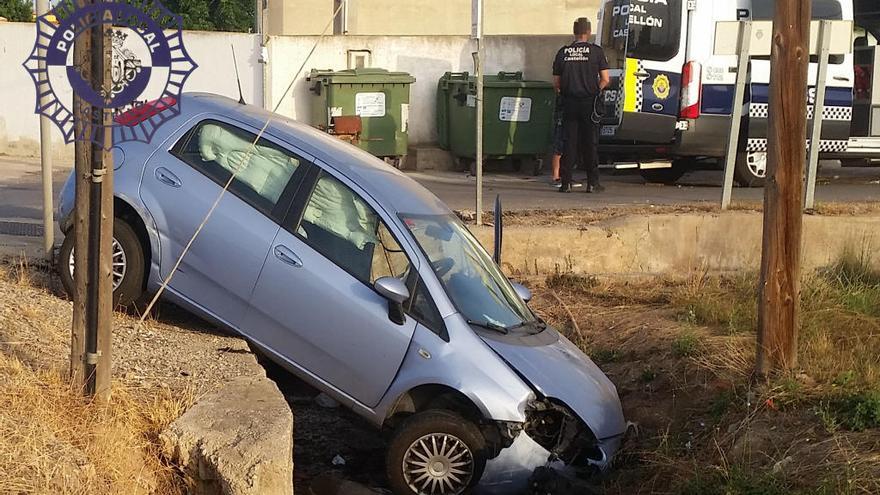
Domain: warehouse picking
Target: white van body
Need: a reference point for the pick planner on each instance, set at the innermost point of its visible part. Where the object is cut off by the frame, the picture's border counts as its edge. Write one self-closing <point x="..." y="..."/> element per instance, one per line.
<point x="671" y="97"/>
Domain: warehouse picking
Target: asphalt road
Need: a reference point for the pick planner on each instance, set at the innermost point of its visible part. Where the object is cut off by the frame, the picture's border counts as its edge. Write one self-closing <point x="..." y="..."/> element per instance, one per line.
<point x="21" y="198"/>
<point x="520" y="192"/>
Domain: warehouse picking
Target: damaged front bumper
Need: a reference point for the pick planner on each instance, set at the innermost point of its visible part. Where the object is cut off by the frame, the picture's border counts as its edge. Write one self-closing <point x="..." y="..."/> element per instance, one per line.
<point x="514" y="467"/>
<point x="553" y="439"/>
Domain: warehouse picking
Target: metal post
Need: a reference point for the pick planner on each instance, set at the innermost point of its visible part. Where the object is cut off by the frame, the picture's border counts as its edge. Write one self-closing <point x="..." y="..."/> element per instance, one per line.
<point x="477" y="33"/>
<point x="742" y="78"/>
<point x="818" y="110"/>
<point x="46" y="154"/>
<point x="479" y="151"/>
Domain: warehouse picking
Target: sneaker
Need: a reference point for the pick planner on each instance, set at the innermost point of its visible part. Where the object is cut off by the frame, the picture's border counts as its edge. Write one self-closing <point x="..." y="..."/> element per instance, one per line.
<point x="595" y="189"/>
<point x="565" y="188"/>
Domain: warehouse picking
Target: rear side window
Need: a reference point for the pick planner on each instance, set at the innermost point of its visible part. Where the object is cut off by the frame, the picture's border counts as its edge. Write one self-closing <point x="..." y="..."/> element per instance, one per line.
<point x="218" y="150"/>
<point x="652" y="29"/>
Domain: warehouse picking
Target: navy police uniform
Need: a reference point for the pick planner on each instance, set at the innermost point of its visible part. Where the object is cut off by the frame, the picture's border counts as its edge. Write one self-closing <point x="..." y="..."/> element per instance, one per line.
<point x="578" y="66"/>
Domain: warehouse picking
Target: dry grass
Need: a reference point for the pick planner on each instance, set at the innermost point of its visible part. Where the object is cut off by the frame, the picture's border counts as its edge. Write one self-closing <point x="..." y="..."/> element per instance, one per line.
<point x="53" y="440"/>
<point x="682" y="354"/>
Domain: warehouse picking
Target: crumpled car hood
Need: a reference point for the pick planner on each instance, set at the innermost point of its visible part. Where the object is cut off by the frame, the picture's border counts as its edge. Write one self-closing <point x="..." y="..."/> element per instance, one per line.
<point x="558" y="369"/>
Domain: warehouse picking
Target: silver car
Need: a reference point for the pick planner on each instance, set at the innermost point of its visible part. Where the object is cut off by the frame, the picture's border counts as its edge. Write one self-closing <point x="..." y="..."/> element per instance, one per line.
<point x="361" y="282"/>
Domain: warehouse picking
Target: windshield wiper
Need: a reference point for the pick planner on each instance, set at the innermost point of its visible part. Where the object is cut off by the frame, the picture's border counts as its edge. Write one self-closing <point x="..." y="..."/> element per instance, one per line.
<point x="538" y="324"/>
<point x="489" y="326"/>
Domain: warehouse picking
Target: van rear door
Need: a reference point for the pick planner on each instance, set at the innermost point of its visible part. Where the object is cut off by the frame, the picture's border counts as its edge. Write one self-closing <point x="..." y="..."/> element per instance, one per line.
<point x="645" y="43"/>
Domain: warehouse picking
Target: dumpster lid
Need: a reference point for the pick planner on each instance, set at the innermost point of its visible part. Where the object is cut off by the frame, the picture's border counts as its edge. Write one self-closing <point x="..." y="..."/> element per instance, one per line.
<point x="499" y="80"/>
<point x="362" y="76"/>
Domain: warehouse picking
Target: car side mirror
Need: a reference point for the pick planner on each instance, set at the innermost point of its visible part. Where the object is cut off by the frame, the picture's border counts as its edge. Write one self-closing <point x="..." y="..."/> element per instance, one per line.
<point x="395" y="291"/>
<point x="522" y="291"/>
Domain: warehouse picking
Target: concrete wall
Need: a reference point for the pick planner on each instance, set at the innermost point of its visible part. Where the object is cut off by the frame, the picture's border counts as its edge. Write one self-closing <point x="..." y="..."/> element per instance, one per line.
<point x="673" y="245"/>
<point x="429" y="17"/>
<point x="425" y="57"/>
<point x="19" y="125"/>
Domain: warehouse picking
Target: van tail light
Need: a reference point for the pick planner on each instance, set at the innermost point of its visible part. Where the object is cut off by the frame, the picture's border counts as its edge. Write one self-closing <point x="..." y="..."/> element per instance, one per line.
<point x="691" y="90"/>
<point x="140" y="113"/>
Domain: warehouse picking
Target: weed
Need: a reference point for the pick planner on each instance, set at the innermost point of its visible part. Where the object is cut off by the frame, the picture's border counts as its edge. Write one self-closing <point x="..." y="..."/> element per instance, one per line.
<point x="735" y="481"/>
<point x="603" y="356"/>
<point x="685" y="345"/>
<point x="571" y="281"/>
<point x="649" y="374"/>
<point x="721" y="404"/>
<point x="859" y="411"/>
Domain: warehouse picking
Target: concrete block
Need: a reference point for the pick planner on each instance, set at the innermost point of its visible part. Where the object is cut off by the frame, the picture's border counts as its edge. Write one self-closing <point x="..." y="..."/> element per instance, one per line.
<point x="237" y="440"/>
<point x="429" y="158"/>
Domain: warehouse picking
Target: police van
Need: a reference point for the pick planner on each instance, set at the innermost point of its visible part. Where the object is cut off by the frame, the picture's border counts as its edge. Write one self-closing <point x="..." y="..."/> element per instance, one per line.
<point x="668" y="108"/>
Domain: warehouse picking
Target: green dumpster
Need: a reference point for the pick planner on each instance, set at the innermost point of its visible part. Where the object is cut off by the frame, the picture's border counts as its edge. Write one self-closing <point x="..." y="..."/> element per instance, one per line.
<point x="517" y="116"/>
<point x="379" y="97"/>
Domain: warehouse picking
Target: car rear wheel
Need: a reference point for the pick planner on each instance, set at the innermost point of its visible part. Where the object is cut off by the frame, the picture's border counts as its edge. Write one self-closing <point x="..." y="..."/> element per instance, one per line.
<point x="127" y="265"/>
<point x="435" y="453"/>
<point x="750" y="169"/>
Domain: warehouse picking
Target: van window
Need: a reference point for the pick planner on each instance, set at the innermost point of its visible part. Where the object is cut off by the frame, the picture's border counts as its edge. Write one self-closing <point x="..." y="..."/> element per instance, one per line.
<point x="653" y="28"/>
<point x="763" y="10"/>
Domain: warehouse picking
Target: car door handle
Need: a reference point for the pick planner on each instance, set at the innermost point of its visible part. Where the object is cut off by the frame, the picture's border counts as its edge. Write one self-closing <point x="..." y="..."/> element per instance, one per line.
<point x="284" y="254"/>
<point x="642" y="75"/>
<point x="165" y="176"/>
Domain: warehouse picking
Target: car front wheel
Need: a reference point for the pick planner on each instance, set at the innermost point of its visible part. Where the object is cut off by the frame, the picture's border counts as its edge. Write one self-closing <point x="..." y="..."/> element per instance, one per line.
<point x="750" y="169"/>
<point x="127" y="265"/>
<point x="435" y="453"/>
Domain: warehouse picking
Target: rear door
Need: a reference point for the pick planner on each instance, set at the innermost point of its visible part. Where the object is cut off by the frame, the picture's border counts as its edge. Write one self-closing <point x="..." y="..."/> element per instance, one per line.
<point x="179" y="187"/>
<point x="645" y="44"/>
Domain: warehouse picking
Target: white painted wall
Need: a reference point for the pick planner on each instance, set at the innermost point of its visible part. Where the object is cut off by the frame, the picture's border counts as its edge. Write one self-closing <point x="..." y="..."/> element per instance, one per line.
<point x="425" y="57"/>
<point x="19" y="125"/>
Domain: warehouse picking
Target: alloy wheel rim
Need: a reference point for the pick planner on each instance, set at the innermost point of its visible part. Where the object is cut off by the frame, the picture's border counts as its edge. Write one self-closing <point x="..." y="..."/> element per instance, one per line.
<point x="757" y="162"/>
<point x="438" y="464"/>
<point x="119" y="263"/>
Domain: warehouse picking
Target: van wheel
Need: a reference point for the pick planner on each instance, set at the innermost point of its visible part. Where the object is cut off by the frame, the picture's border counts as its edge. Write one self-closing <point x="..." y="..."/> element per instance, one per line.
<point x="750" y="169"/>
<point x="128" y="265"/>
<point x="435" y="452"/>
<point x="667" y="176"/>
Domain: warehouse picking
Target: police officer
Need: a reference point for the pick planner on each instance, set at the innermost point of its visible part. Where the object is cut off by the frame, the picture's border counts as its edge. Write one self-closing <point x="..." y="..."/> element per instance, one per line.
<point x="580" y="73"/>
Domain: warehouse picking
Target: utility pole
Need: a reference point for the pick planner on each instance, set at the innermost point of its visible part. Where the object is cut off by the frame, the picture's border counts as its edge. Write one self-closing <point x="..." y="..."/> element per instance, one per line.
<point x="46" y="156"/>
<point x="779" y="288"/>
<point x="93" y="226"/>
<point x="82" y="59"/>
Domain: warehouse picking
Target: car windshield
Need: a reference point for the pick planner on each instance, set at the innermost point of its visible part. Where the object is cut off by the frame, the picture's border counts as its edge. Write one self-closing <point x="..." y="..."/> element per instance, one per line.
<point x="473" y="281"/>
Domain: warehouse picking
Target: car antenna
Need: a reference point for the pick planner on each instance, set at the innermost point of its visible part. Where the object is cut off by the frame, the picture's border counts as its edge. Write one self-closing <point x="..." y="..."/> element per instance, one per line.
<point x="237" y="78"/>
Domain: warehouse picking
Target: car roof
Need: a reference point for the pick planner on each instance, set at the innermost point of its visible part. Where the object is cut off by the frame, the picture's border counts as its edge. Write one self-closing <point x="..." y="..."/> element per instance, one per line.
<point x="387" y="185"/>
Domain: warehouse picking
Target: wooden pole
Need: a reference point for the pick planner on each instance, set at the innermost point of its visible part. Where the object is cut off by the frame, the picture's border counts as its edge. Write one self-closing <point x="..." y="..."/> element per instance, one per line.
<point x="779" y="288"/>
<point x="99" y="308"/>
<point x="82" y="57"/>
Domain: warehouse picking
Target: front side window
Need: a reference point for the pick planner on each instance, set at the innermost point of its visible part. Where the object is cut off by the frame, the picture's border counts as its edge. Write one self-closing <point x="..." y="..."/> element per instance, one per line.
<point x="472" y="280"/>
<point x="219" y="150"/>
<point x="342" y="227"/>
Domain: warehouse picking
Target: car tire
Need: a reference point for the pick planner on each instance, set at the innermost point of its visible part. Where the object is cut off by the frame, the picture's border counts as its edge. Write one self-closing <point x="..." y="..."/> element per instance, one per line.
<point x="668" y="176"/>
<point x="130" y="287"/>
<point x="457" y="465"/>
<point x="750" y="169"/>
